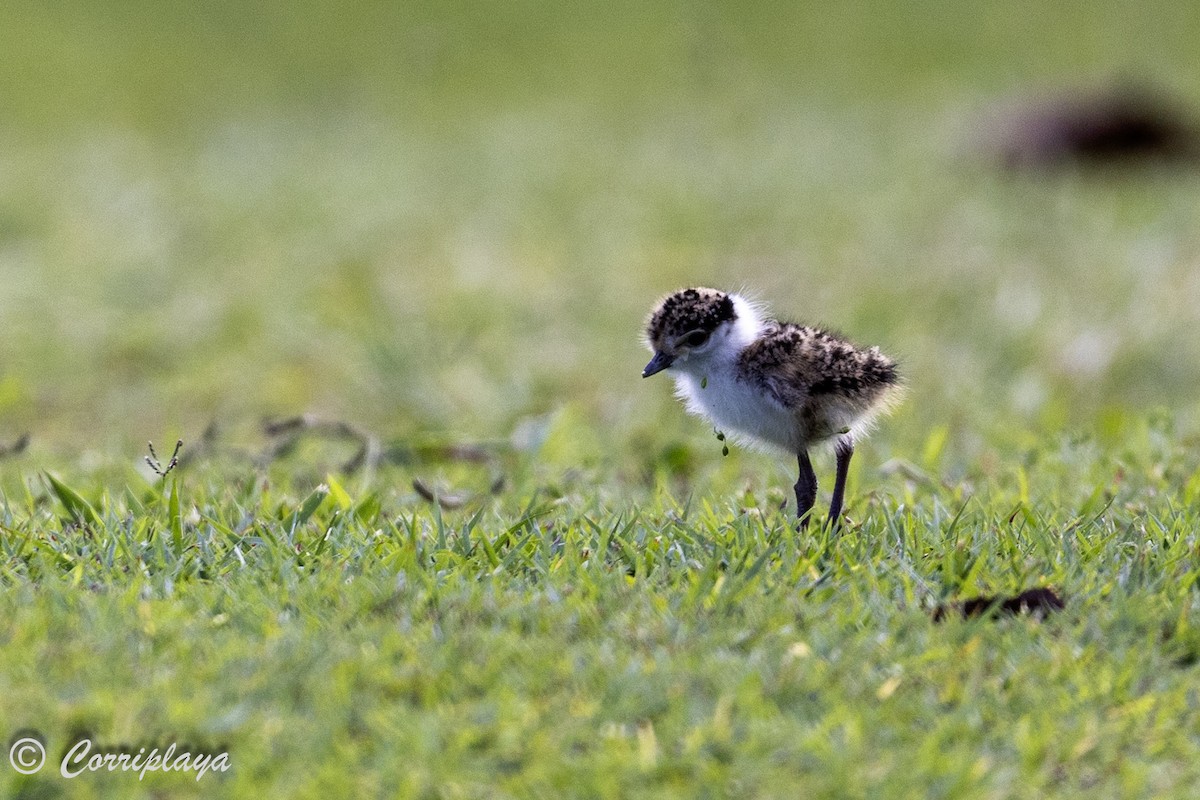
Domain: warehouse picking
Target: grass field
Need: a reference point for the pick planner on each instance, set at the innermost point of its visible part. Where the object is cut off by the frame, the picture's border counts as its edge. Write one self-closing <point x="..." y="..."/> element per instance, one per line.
<point x="436" y="229"/>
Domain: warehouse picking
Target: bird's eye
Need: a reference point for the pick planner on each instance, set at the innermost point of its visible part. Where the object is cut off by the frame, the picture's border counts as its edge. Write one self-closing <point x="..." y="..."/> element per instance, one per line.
<point x="695" y="339"/>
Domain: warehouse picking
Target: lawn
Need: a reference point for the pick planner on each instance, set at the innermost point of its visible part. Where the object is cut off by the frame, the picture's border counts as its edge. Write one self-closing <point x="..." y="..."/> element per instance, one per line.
<point x="383" y="269"/>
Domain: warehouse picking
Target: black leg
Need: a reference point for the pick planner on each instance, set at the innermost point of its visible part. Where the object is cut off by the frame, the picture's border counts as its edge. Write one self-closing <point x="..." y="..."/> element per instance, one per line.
<point x="844" y="450"/>
<point x="806" y="489"/>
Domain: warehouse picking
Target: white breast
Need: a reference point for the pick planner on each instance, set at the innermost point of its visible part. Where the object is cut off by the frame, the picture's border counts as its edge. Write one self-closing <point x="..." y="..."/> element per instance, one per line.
<point x="739" y="409"/>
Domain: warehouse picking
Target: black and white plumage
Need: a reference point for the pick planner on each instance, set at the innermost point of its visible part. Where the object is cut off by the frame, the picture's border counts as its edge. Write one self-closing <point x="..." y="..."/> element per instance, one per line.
<point x="775" y="384"/>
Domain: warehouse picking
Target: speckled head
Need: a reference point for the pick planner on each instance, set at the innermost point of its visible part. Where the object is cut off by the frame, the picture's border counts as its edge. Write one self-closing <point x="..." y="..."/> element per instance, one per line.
<point x="683" y="322"/>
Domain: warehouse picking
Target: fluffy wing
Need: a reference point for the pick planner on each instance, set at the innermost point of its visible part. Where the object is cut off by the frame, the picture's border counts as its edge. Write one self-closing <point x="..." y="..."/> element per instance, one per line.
<point x="798" y="366"/>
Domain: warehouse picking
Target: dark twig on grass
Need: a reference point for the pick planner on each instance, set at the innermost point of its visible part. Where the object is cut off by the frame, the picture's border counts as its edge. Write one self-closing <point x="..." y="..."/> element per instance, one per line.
<point x="1038" y="603"/>
<point x="446" y="501"/>
<point x="288" y="431"/>
<point x="16" y="448"/>
<point x="157" y="466"/>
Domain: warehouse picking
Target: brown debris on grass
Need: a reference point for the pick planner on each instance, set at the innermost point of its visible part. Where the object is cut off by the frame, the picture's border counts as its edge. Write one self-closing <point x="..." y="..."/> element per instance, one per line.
<point x="1123" y="124"/>
<point x="1038" y="603"/>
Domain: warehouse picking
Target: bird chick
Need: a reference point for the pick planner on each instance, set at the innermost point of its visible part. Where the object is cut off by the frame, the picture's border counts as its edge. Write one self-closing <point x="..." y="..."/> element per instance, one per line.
<point x="778" y="385"/>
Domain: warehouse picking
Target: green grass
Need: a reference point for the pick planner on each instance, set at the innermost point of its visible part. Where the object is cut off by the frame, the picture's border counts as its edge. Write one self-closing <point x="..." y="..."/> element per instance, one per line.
<point x="443" y="224"/>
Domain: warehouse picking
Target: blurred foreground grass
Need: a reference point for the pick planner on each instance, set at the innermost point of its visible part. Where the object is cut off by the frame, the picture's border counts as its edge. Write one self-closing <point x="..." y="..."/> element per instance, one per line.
<point x="444" y="223"/>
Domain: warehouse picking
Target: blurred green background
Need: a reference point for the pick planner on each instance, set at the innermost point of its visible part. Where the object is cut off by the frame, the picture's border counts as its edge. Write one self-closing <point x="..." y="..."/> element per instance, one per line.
<point x="442" y="218"/>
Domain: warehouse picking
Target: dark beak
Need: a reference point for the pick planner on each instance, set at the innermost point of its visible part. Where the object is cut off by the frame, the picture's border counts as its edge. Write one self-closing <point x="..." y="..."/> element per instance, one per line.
<point x="657" y="364"/>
